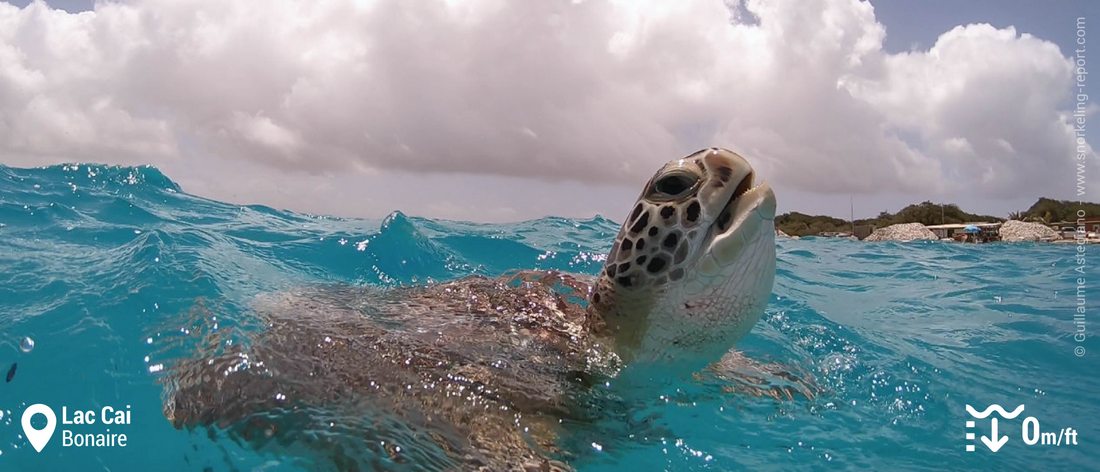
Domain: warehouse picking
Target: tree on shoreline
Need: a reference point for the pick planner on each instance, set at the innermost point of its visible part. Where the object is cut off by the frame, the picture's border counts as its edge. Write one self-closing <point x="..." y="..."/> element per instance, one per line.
<point x="1048" y="210"/>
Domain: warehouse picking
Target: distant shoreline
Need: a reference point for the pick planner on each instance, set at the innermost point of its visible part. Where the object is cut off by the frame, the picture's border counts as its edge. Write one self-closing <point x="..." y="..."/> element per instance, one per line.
<point x="1083" y="232"/>
<point x="1062" y="216"/>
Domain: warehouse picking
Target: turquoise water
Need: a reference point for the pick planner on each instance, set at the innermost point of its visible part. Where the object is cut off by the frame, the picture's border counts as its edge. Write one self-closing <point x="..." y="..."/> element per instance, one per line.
<point x="103" y="266"/>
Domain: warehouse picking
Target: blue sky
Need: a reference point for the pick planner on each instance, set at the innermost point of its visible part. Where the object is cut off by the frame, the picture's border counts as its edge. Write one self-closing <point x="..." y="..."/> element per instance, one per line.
<point x="484" y="111"/>
<point x="916" y="25"/>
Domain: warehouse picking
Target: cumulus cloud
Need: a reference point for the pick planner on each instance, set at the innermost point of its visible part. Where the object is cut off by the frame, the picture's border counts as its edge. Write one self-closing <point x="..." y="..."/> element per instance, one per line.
<point x="588" y="91"/>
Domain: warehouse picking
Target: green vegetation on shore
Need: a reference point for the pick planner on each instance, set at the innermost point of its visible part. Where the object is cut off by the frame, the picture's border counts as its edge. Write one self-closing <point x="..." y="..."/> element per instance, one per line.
<point x="1045" y="210"/>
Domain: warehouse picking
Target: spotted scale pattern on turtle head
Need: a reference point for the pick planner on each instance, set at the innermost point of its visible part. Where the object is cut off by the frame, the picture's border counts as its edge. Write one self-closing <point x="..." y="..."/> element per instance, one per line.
<point x="694" y="213"/>
<point x="666" y="226"/>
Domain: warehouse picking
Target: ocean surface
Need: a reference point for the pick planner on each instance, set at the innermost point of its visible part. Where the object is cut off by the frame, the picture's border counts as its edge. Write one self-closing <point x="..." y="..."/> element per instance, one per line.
<point x="104" y="267"/>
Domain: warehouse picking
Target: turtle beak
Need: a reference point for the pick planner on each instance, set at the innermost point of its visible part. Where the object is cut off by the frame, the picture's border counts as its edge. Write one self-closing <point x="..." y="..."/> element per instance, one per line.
<point x="746" y="215"/>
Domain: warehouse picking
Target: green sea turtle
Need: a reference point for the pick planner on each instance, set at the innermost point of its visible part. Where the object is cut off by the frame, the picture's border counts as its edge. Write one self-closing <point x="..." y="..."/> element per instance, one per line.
<point x="482" y="373"/>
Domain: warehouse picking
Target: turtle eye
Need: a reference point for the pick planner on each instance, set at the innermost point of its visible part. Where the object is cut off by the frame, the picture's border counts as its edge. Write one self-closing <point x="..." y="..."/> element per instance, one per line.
<point x="674" y="185"/>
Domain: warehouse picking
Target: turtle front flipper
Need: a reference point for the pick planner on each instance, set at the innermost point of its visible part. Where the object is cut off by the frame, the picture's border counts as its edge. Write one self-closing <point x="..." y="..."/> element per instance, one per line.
<point x="743" y="375"/>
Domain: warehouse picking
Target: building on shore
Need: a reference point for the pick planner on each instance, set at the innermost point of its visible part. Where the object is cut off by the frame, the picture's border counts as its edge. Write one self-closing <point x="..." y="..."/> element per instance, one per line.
<point x="1068" y="228"/>
<point x="862" y="231"/>
<point x="989" y="231"/>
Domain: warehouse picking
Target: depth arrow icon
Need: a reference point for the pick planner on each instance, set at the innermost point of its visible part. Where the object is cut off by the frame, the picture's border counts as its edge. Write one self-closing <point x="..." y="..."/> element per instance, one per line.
<point x="995" y="443"/>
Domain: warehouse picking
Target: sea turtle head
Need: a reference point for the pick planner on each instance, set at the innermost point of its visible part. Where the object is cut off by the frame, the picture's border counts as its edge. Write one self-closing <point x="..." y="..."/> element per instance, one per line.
<point x="692" y="268"/>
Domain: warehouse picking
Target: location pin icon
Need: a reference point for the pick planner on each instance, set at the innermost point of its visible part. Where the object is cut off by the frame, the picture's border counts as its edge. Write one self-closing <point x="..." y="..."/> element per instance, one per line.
<point x="39" y="437"/>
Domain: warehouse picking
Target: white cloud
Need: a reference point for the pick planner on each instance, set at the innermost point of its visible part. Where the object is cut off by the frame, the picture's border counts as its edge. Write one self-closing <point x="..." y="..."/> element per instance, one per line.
<point x="985" y="102"/>
<point x="593" y="91"/>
